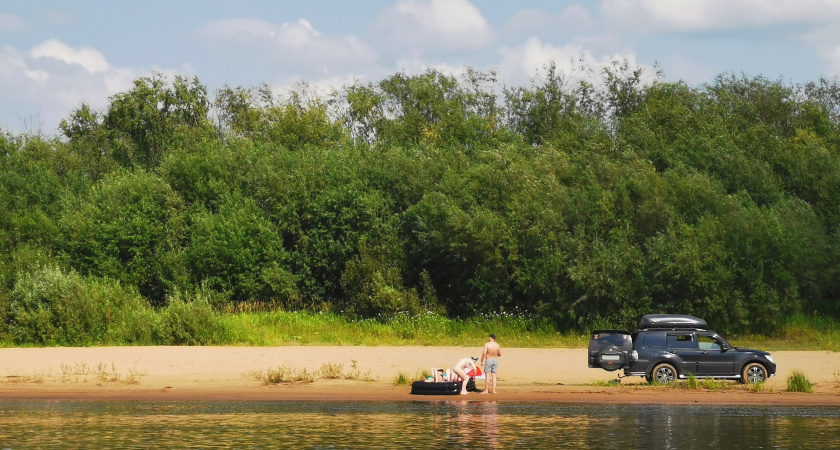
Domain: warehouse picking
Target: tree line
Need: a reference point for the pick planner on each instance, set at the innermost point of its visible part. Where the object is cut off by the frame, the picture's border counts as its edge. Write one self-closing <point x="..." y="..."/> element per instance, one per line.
<point x="587" y="199"/>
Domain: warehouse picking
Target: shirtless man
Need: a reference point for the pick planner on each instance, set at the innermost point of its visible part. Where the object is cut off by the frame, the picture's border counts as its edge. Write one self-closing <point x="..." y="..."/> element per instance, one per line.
<point x="490" y="358"/>
<point x="461" y="368"/>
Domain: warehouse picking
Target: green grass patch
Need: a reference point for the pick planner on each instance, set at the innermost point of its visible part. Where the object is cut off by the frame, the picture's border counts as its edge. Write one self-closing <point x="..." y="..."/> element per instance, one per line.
<point x="401" y="379"/>
<point x="608" y="383"/>
<point x="271" y="328"/>
<point x="759" y="386"/>
<point x="332" y="371"/>
<point x="692" y="382"/>
<point x="798" y="332"/>
<point x="191" y="321"/>
<point x="275" y="327"/>
<point x="798" y="382"/>
<point x="710" y="384"/>
<point x="282" y="374"/>
<point x="356" y="374"/>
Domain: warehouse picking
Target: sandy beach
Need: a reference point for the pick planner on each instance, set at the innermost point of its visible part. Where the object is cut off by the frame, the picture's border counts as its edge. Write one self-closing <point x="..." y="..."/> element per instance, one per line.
<point x="226" y="373"/>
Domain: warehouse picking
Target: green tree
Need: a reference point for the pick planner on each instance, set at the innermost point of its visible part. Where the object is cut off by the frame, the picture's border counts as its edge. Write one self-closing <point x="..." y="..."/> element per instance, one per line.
<point x="129" y="228"/>
<point x="154" y="117"/>
<point x="238" y="252"/>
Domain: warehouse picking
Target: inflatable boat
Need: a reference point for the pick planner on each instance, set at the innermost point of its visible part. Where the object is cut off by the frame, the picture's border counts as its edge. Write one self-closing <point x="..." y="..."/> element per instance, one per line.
<point x="431" y="388"/>
<point x="446" y="388"/>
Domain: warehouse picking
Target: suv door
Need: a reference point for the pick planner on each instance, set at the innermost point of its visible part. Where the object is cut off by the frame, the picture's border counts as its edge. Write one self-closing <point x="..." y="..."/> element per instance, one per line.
<point x="683" y="344"/>
<point x="649" y="345"/>
<point x="715" y="356"/>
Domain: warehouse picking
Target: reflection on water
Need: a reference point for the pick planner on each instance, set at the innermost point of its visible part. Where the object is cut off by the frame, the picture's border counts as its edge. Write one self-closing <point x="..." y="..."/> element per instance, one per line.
<point x="443" y="424"/>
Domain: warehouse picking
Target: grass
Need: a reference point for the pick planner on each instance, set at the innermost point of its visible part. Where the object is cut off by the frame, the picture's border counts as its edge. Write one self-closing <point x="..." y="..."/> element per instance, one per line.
<point x="256" y="327"/>
<point x="799" y="332"/>
<point x="691" y="382"/>
<point x="401" y="379"/>
<point x="760" y="386"/>
<point x="710" y="384"/>
<point x="798" y="382"/>
<point x="356" y="374"/>
<point x="610" y="383"/>
<point x="282" y="374"/>
<point x="262" y="325"/>
<point x="34" y="378"/>
<point x="102" y="373"/>
<point x="82" y="372"/>
<point x="332" y="371"/>
<point x="271" y="328"/>
<point x="290" y="375"/>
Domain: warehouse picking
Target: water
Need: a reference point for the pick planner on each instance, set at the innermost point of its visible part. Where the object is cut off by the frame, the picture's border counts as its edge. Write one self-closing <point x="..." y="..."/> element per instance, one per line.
<point x="443" y="424"/>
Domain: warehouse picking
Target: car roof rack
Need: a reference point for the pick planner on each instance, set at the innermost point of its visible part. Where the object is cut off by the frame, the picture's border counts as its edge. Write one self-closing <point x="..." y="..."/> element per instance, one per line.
<point x="672" y="321"/>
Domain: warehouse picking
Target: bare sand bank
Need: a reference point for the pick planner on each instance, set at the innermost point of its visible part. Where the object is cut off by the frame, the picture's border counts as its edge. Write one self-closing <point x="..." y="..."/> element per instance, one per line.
<point x="222" y="373"/>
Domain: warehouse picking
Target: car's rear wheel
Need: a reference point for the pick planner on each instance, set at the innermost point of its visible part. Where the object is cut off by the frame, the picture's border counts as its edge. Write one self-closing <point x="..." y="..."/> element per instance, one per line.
<point x="663" y="373"/>
<point x="753" y="373"/>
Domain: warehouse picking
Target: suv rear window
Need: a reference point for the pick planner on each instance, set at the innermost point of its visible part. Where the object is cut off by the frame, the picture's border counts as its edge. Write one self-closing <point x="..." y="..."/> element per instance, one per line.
<point x="654" y="340"/>
<point x="609" y="338"/>
<point x="681" y="341"/>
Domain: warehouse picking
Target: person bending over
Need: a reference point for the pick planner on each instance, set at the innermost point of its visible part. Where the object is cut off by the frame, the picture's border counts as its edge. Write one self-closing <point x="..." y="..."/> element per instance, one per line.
<point x="461" y="368"/>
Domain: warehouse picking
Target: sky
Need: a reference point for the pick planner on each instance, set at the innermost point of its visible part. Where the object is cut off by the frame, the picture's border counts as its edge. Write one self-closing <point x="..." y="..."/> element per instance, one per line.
<point x="56" y="55"/>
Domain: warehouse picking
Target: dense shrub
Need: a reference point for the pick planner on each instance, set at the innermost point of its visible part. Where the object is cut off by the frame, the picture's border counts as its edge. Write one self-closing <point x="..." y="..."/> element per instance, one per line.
<point x="50" y="306"/>
<point x="238" y="252"/>
<point x="189" y="322"/>
<point x="126" y="228"/>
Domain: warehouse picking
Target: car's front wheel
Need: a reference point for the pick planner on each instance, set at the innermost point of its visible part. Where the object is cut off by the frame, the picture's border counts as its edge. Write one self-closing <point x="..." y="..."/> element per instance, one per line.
<point x="753" y="373"/>
<point x="663" y="373"/>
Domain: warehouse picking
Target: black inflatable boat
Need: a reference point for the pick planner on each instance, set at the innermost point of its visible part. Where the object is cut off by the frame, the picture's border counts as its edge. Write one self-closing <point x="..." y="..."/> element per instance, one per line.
<point x="447" y="388"/>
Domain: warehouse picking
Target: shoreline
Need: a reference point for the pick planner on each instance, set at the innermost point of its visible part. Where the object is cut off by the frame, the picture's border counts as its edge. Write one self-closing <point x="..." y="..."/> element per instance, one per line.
<point x="227" y="374"/>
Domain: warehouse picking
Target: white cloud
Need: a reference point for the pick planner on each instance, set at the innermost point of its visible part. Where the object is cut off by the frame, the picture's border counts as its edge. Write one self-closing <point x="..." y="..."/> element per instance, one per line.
<point x="826" y="40"/>
<point x="418" y="66"/>
<point x="53" y="78"/>
<point x="429" y="26"/>
<point x="89" y="58"/>
<point x="529" y="21"/>
<point x="11" y="23"/>
<point x="573" y="19"/>
<point x="683" y="68"/>
<point x="576" y="18"/>
<point x="522" y="63"/>
<point x="712" y="15"/>
<point x="296" y="46"/>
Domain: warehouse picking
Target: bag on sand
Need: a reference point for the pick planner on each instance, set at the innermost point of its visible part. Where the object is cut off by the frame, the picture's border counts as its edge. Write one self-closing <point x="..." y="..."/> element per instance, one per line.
<point x="471" y="386"/>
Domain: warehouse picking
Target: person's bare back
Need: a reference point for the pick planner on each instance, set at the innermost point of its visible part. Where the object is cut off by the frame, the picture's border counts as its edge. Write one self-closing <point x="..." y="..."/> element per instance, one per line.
<point x="492" y="350"/>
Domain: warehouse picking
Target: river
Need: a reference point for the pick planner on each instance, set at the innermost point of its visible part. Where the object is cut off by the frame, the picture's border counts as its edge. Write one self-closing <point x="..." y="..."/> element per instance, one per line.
<point x="420" y="424"/>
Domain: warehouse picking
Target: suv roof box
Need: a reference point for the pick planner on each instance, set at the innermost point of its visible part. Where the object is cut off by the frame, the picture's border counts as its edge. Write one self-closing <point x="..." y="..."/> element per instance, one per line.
<point x="671" y="321"/>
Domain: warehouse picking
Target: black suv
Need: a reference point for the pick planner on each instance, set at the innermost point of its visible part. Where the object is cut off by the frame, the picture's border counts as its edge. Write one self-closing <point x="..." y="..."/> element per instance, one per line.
<point x="668" y="346"/>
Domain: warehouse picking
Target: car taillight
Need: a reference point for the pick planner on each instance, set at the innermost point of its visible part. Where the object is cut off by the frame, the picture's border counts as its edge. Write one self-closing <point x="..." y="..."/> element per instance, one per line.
<point x="635" y="355"/>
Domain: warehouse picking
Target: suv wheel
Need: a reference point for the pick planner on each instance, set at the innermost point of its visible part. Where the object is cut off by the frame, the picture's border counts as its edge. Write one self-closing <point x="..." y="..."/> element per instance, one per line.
<point x="613" y="351"/>
<point x="663" y="373"/>
<point x="753" y="373"/>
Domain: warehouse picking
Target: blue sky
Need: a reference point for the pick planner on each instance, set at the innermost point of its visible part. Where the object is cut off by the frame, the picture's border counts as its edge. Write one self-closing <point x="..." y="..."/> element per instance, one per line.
<point x="56" y="54"/>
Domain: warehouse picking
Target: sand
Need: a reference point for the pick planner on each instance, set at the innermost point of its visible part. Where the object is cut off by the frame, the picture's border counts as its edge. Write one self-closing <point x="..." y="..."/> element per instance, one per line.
<point x="226" y="373"/>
